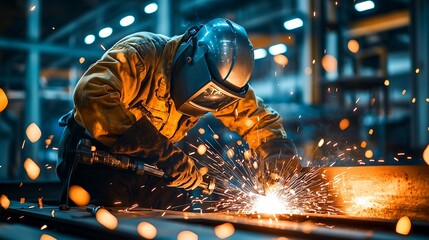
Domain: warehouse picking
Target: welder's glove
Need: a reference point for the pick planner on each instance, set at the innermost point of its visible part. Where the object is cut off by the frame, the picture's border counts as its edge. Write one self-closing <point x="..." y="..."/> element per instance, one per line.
<point x="278" y="163"/>
<point x="144" y="141"/>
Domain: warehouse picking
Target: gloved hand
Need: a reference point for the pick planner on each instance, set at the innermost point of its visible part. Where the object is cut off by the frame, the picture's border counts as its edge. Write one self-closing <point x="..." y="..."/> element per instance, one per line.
<point x="278" y="163"/>
<point x="189" y="179"/>
<point x="143" y="140"/>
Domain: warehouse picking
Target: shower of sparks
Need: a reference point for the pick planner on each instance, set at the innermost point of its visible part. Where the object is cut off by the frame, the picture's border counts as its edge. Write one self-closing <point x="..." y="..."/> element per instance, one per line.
<point x="239" y="191"/>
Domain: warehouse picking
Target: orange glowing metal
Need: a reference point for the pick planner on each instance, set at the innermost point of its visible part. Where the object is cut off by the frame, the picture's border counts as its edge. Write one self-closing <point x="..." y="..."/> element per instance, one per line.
<point x="146" y="230"/>
<point x="79" y="195"/>
<point x="224" y="230"/>
<point x="4" y="201"/>
<point x="187" y="235"/>
<point x="344" y="124"/>
<point x="3" y="100"/>
<point x="33" y="132"/>
<point x="32" y="169"/>
<point x="426" y="155"/>
<point x="106" y="219"/>
<point x="403" y="226"/>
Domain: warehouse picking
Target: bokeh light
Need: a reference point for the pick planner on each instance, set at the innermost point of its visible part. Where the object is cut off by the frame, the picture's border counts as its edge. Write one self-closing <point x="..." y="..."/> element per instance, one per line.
<point x="146" y="230"/>
<point x="32" y="169"/>
<point x="79" y="195"/>
<point x="106" y="219"/>
<point x="224" y="230"/>
<point x="33" y="132"/>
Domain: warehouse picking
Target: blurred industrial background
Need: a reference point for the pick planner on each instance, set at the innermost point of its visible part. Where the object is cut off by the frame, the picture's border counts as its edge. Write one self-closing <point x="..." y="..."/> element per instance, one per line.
<point x="349" y="77"/>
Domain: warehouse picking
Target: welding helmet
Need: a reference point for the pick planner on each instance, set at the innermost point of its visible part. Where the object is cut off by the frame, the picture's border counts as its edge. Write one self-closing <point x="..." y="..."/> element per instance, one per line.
<point x="211" y="67"/>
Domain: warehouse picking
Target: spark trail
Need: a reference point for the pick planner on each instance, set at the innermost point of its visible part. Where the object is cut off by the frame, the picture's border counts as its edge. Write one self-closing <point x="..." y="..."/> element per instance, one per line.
<point x="239" y="191"/>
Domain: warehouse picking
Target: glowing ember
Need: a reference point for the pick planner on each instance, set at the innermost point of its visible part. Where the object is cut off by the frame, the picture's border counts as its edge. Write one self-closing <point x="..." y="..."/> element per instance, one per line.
<point x="32" y="169"/>
<point x="386" y="83"/>
<point x="4" y="201"/>
<point x="202" y="149"/>
<point x="426" y="155"/>
<point x="369" y="154"/>
<point x="321" y="142"/>
<point x="417" y="70"/>
<point x="146" y="230"/>
<point x="371" y="131"/>
<point x="3" y="100"/>
<point x="106" y="219"/>
<point x="230" y="153"/>
<point x="224" y="230"/>
<point x="344" y="124"/>
<point x="187" y="235"/>
<point x="81" y="60"/>
<point x="403" y="226"/>
<point x="201" y="131"/>
<point x="215" y="136"/>
<point x="33" y="132"/>
<point x="363" y="144"/>
<point x="79" y="195"/>
<point x="44" y="227"/>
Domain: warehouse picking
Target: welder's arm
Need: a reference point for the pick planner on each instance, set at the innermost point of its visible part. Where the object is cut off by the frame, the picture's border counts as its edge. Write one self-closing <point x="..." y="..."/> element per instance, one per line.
<point x="263" y="129"/>
<point x="278" y="162"/>
<point x="103" y="101"/>
<point x="143" y="140"/>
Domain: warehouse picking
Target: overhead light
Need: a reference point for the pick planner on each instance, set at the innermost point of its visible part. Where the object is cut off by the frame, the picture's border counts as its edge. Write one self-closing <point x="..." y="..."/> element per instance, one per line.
<point x="364" y="6"/>
<point x="126" y="21"/>
<point x="277" y="49"/>
<point x="151" y="8"/>
<point x="293" y="23"/>
<point x="89" y="39"/>
<point x="259" y="53"/>
<point x="105" y="32"/>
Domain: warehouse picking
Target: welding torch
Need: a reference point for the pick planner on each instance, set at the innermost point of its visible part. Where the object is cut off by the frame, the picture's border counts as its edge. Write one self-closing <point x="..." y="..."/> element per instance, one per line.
<point x="87" y="154"/>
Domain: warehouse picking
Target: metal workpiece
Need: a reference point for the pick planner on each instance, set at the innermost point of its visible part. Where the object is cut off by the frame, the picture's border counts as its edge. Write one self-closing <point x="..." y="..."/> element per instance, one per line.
<point x="86" y="153"/>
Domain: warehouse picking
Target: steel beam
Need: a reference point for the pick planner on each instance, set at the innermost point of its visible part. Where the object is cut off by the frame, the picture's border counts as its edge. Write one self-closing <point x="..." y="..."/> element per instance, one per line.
<point x="47" y="47"/>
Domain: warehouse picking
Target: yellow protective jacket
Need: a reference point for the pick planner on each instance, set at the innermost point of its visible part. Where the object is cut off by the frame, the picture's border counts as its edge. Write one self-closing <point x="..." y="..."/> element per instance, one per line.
<point x="136" y="72"/>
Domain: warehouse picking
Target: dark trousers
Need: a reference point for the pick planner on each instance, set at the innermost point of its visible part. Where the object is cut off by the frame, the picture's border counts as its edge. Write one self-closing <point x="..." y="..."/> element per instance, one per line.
<point x="112" y="187"/>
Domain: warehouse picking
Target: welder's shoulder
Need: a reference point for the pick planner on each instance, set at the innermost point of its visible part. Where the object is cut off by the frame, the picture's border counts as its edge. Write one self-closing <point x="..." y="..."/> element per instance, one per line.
<point x="144" y="40"/>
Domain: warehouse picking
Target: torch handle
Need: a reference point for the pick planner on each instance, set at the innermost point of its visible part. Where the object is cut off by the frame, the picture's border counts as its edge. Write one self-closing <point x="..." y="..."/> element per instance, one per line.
<point x="87" y="155"/>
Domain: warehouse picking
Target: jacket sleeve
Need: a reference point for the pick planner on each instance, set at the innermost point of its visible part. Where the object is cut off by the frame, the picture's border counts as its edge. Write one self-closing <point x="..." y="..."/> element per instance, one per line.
<point x="252" y="120"/>
<point x="102" y="95"/>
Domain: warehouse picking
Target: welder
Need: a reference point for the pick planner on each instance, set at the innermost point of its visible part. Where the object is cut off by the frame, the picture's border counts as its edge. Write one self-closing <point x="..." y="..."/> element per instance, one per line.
<point x="146" y="92"/>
